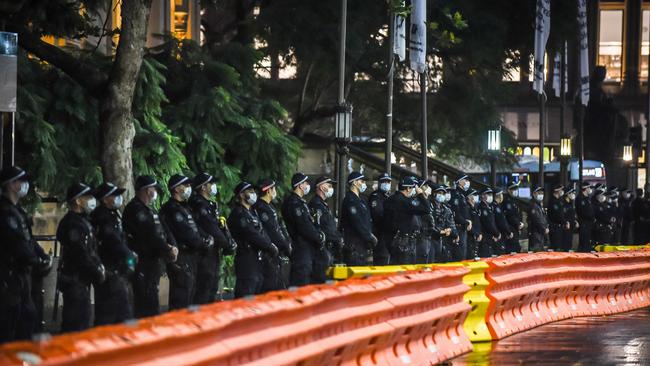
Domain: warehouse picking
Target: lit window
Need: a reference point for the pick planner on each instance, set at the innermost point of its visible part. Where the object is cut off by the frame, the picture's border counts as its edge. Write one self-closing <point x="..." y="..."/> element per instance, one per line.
<point x="610" y="43"/>
<point x="527" y="151"/>
<point x="643" y="63"/>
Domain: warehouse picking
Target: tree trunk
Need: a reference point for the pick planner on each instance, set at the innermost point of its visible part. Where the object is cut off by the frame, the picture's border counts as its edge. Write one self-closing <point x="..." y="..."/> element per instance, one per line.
<point x="115" y="113"/>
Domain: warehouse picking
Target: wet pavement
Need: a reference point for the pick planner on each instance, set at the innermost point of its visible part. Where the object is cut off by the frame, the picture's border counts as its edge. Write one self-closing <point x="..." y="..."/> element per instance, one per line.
<point x="621" y="339"/>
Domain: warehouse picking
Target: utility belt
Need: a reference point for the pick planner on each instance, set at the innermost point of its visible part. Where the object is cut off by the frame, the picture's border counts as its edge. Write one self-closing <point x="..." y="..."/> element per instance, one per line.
<point x="405" y="242"/>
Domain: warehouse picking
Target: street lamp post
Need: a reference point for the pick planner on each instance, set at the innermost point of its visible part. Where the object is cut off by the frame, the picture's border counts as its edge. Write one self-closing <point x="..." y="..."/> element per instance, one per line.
<point x="494" y="147"/>
<point x="343" y="137"/>
<point x="565" y="156"/>
<point x="628" y="157"/>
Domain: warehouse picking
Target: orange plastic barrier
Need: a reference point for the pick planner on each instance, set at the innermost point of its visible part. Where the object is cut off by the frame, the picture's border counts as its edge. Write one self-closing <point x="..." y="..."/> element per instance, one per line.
<point x="413" y="318"/>
<point x="527" y="290"/>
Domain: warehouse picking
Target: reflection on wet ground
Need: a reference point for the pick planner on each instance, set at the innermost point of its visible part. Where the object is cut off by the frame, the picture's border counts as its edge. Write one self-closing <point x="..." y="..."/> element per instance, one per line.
<point x="621" y="339"/>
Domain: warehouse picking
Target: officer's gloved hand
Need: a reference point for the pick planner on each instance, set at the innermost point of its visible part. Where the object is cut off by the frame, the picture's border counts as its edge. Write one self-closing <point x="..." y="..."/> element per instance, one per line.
<point x="100" y="275"/>
<point x="209" y="242"/>
<point x="273" y="249"/>
<point x="44" y="265"/>
<point x="173" y="254"/>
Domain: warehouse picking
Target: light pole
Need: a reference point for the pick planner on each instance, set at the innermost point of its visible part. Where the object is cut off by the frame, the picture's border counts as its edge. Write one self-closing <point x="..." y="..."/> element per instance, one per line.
<point x="494" y="147"/>
<point x="628" y="156"/>
<point x="341" y="146"/>
<point x="565" y="156"/>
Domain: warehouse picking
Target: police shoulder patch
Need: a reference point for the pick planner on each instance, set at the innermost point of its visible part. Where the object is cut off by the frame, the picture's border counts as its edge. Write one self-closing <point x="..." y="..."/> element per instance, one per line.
<point x="264" y="217"/>
<point x="141" y="216"/>
<point x="508" y="206"/>
<point x="12" y="222"/>
<point x="74" y="235"/>
<point x="485" y="212"/>
<point x="353" y="210"/>
<point x="374" y="203"/>
<point x="298" y="211"/>
<point x="178" y="217"/>
<point x="415" y="202"/>
<point x="203" y="212"/>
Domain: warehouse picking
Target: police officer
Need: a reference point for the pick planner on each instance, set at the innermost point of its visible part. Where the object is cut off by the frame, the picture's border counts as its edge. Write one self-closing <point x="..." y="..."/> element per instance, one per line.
<point x="640" y="219"/>
<point x="513" y="216"/>
<point x="307" y="239"/>
<point x="570" y="216"/>
<point x="272" y="266"/>
<point x="475" y="237"/>
<point x="441" y="227"/>
<point x="614" y="208"/>
<point x="151" y="240"/>
<point x="356" y="223"/>
<point x="113" y="303"/>
<point x="538" y="226"/>
<point x="557" y="222"/>
<point x="604" y="219"/>
<point x="376" y="201"/>
<point x="491" y="233"/>
<point x="507" y="231"/>
<point x="252" y="241"/>
<point x="21" y="254"/>
<point x="625" y="213"/>
<point x="206" y="214"/>
<point x="462" y="214"/>
<point x="586" y="217"/>
<point x="190" y="240"/>
<point x="451" y="241"/>
<point x="426" y="224"/>
<point x="400" y="211"/>
<point x="327" y="224"/>
<point x="80" y="265"/>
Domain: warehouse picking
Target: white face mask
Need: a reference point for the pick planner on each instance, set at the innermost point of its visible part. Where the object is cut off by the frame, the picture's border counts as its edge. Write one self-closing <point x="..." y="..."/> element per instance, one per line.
<point x="329" y="193"/>
<point x="472" y="199"/>
<point x="447" y="197"/>
<point x="440" y="198"/>
<point x="252" y="198"/>
<point x="306" y="190"/>
<point x="91" y="204"/>
<point x="24" y="188"/>
<point x="274" y="194"/>
<point x="213" y="190"/>
<point x="588" y="191"/>
<point x="601" y="198"/>
<point x="363" y="187"/>
<point x="572" y="196"/>
<point x="154" y="196"/>
<point x="117" y="202"/>
<point x="489" y="199"/>
<point x="466" y="185"/>
<point x="385" y="187"/>
<point x="539" y="197"/>
<point x="561" y="193"/>
<point x="187" y="192"/>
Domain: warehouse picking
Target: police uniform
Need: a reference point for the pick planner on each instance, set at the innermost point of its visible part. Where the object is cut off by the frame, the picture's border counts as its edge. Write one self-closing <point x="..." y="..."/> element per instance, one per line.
<point x="272" y="266"/>
<point x="513" y="216"/>
<point x="327" y="224"/>
<point x="504" y="227"/>
<point x="640" y="219"/>
<point x="376" y="201"/>
<point x="113" y="303"/>
<point x="206" y="215"/>
<point x="537" y="224"/>
<point x="614" y="211"/>
<point x="604" y="228"/>
<point x="463" y="216"/>
<point x="307" y="239"/>
<point x="400" y="211"/>
<point x="356" y="225"/>
<point x="450" y="242"/>
<point x="80" y="264"/>
<point x="625" y="213"/>
<point x="438" y="224"/>
<point x="586" y="219"/>
<point x="568" y="206"/>
<point x="150" y="239"/>
<point x="475" y="236"/>
<point x="425" y="224"/>
<point x="252" y="244"/>
<point x="190" y="240"/>
<point x="21" y="255"/>
<point x="557" y="222"/>
<point x="489" y="227"/>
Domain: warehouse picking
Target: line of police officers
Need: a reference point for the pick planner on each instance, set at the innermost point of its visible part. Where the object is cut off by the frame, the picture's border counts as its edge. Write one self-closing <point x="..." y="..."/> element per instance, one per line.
<point x="123" y="256"/>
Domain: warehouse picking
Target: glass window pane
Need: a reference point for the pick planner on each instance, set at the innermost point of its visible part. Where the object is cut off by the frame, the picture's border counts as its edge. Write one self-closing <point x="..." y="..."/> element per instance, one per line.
<point x="643" y="63"/>
<point x="610" y="43"/>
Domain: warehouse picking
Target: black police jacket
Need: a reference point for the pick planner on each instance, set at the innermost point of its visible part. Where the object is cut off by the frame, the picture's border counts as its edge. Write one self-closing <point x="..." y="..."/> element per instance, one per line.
<point x="304" y="233"/>
<point x="376" y="202"/>
<point x="511" y="212"/>
<point x="79" y="258"/>
<point x="585" y="209"/>
<point x="112" y="246"/>
<point x="556" y="212"/>
<point x="537" y="221"/>
<point x="462" y="209"/>
<point x="475" y="212"/>
<point x="146" y="233"/>
<point x="206" y="215"/>
<point x="324" y="219"/>
<point x="178" y="217"/>
<point x="273" y="226"/>
<point x="356" y="222"/>
<point x="252" y="241"/>
<point x="20" y="250"/>
<point x="569" y="212"/>
<point x="501" y="220"/>
<point x="400" y="212"/>
<point x="449" y="221"/>
<point x="488" y="222"/>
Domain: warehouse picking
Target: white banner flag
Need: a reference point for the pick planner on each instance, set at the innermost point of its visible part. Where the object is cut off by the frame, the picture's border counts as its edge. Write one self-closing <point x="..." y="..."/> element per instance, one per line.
<point x="584" y="52"/>
<point x="557" y="72"/>
<point x="418" y="39"/>
<point x="542" y="30"/>
<point x="399" y="37"/>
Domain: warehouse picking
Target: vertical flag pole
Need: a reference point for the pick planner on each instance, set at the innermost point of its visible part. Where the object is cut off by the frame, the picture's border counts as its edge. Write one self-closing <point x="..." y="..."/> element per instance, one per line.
<point x="584" y="76"/>
<point x="542" y="30"/>
<point x="341" y="156"/>
<point x="389" y="101"/>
